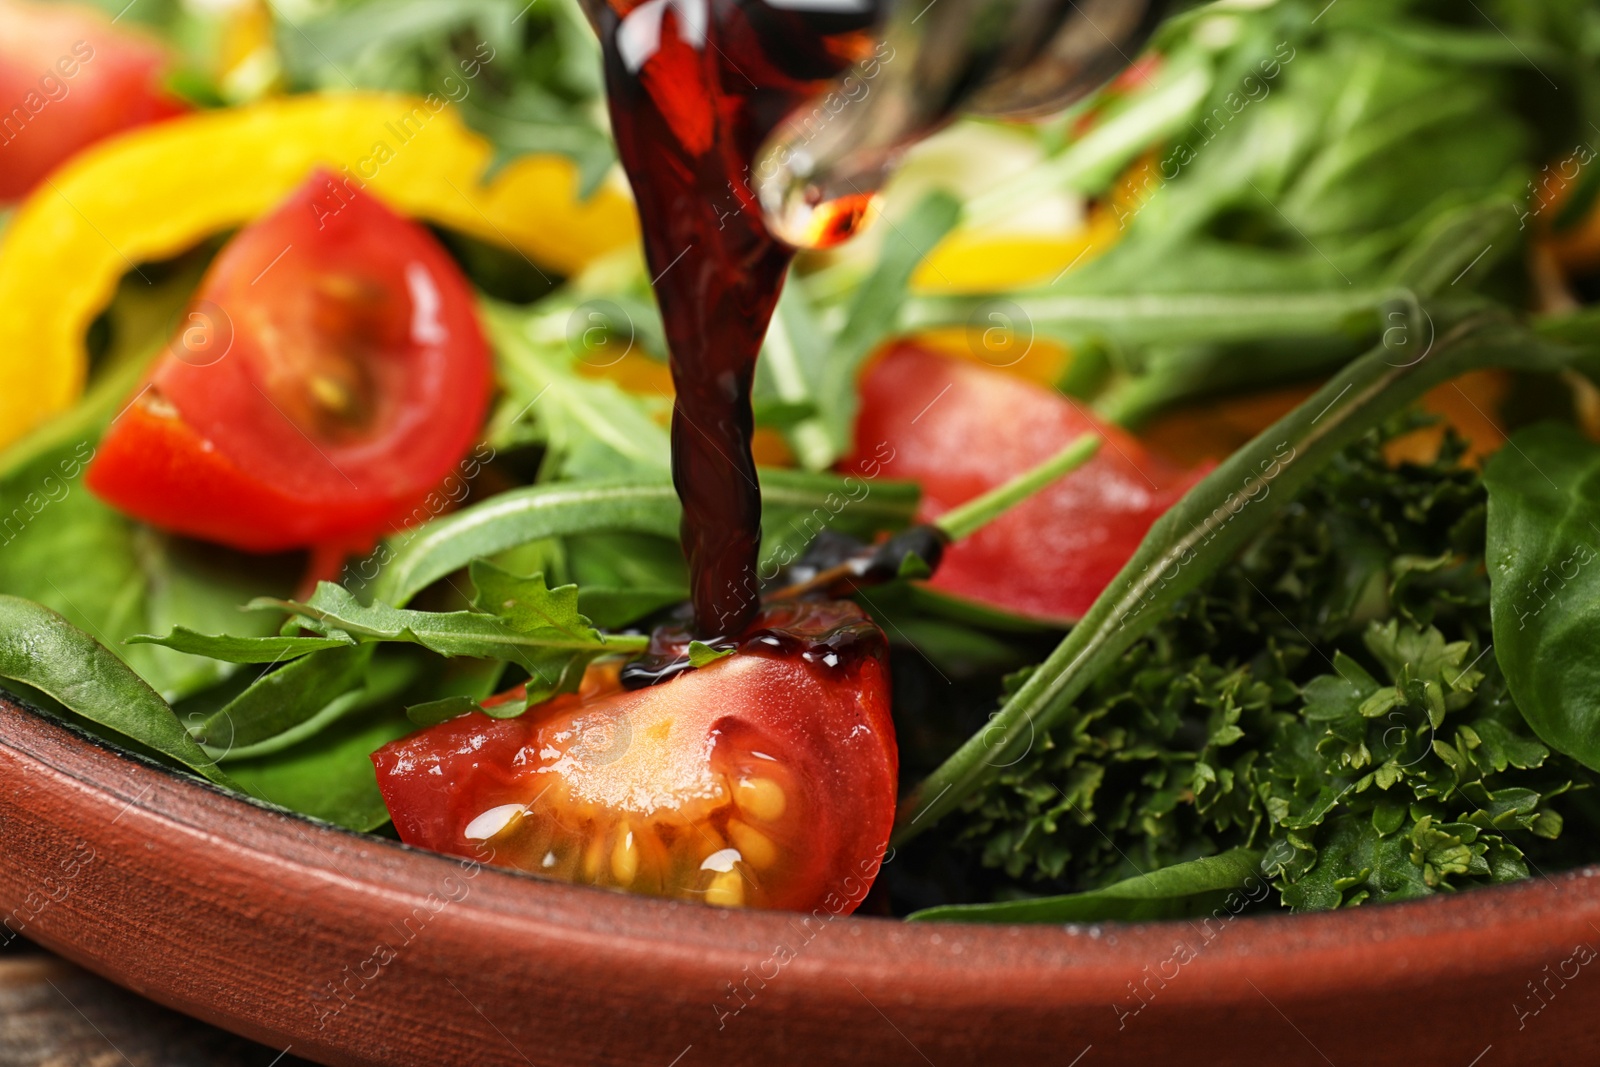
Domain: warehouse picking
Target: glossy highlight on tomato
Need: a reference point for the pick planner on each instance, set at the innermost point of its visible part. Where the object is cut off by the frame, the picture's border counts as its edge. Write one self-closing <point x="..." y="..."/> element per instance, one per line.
<point x="68" y="78"/>
<point x="959" y="429"/>
<point x="765" y="779"/>
<point x="329" y="375"/>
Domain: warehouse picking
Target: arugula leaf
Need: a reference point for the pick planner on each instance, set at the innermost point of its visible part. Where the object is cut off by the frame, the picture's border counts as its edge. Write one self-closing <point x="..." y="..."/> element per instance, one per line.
<point x="1184" y="889"/>
<point x="590" y="427"/>
<point x="41" y="649"/>
<point x="611" y="608"/>
<point x="517" y="619"/>
<point x="795" y="505"/>
<point x="414" y="560"/>
<point x="232" y="649"/>
<point x="450" y="633"/>
<point x="434" y="712"/>
<point x="788" y="373"/>
<point x="1544" y="542"/>
<point x="703" y="655"/>
<point x="527" y="76"/>
<point x="529" y="605"/>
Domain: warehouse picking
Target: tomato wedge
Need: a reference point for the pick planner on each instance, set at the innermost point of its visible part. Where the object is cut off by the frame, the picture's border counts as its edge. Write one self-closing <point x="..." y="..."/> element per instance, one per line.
<point x="765" y="779"/>
<point x="959" y="429"/>
<point x="68" y="78"/>
<point x="330" y="374"/>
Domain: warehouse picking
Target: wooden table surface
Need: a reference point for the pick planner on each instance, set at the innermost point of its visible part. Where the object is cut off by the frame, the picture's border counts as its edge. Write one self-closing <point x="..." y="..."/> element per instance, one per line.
<point x="52" y="1014"/>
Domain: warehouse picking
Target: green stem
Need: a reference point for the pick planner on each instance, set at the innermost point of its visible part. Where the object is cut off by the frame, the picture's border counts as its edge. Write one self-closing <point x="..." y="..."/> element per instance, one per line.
<point x="978" y="512"/>
<point x="1208" y="527"/>
<point x="1168" y="318"/>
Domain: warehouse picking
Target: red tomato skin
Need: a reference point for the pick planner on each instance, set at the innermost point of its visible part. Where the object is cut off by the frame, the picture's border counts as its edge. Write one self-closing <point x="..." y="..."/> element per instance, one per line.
<point x="69" y="78"/>
<point x="828" y="731"/>
<point x="330" y="287"/>
<point x="220" y="502"/>
<point x="959" y="429"/>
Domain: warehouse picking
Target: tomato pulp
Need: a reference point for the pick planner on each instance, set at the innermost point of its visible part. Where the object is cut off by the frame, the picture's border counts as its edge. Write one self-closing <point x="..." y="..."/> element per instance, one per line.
<point x="959" y="429"/>
<point x="330" y="374"/>
<point x="68" y="78"/>
<point x="765" y="779"/>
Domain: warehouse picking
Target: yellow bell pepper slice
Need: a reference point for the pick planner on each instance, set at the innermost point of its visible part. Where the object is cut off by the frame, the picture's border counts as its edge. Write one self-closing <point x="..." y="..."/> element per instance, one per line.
<point x="158" y="191"/>
<point x="984" y="262"/>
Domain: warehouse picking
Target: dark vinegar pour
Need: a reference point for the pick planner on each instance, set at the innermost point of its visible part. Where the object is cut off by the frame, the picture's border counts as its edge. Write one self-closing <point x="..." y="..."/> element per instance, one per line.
<point x="694" y="87"/>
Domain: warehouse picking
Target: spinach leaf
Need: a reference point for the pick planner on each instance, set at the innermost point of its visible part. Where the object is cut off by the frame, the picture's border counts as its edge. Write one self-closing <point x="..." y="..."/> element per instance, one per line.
<point x="610" y="608"/>
<point x="1543" y="547"/>
<point x="41" y="649"/>
<point x="330" y="776"/>
<point x="384" y="680"/>
<point x="113" y="577"/>
<point x="1184" y="889"/>
<point x="284" y="699"/>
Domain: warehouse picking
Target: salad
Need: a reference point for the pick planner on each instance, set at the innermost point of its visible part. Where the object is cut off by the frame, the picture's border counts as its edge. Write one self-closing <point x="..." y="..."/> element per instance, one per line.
<point x="1187" y="498"/>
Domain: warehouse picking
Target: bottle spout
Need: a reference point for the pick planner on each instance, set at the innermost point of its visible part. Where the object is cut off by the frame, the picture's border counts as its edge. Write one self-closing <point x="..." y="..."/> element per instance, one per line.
<point x="820" y="172"/>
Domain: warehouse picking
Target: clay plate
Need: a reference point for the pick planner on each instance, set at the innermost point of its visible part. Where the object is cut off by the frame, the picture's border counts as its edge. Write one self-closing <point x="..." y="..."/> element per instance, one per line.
<point x="355" y="950"/>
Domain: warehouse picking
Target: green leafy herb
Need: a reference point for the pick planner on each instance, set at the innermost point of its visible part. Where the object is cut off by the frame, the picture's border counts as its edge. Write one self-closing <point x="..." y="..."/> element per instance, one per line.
<point x="283" y="699"/>
<point x="242" y="649"/>
<point x="591" y="428"/>
<point x="703" y="655"/>
<point x="526" y="76"/>
<point x="417" y="559"/>
<point x="433" y="712"/>
<point x="1206" y="528"/>
<point x="329" y="776"/>
<point x="524" y="633"/>
<point x="383" y="681"/>
<point x="1544" y="542"/>
<point x="1327" y="696"/>
<point x="107" y="574"/>
<point x="41" y="649"/>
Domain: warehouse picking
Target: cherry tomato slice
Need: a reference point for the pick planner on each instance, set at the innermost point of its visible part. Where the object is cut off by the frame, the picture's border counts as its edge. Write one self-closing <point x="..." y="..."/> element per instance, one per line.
<point x="69" y="77"/>
<point x="329" y="375"/>
<point x="766" y="779"/>
<point x="959" y="429"/>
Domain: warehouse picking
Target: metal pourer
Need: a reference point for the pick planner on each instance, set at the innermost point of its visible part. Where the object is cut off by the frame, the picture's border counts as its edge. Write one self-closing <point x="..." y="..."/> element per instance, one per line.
<point x="1013" y="59"/>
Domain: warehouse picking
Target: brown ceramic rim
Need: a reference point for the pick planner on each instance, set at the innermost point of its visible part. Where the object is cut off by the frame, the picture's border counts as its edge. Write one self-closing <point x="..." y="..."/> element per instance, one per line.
<point x="282" y="929"/>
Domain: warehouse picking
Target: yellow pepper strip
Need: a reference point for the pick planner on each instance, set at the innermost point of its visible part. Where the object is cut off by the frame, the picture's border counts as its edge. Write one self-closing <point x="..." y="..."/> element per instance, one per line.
<point x="158" y="191"/>
<point x="980" y="261"/>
